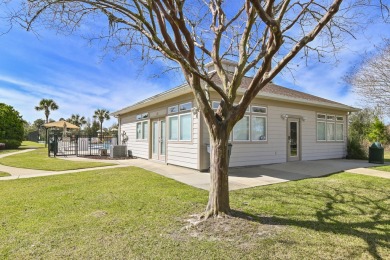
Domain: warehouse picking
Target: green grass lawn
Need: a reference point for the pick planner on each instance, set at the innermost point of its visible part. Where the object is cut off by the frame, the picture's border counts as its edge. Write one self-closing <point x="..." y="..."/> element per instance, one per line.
<point x="130" y="213"/>
<point x="4" y="174"/>
<point x="24" y="145"/>
<point x="39" y="160"/>
<point x="385" y="168"/>
<point x="387" y="156"/>
<point x="29" y="144"/>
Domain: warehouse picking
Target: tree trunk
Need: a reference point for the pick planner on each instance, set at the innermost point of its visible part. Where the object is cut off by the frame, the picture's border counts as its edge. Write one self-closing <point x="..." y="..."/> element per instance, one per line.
<point x="219" y="186"/>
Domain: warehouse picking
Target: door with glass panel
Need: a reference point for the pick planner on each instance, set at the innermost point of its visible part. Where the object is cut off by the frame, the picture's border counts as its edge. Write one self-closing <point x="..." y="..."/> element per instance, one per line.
<point x="158" y="140"/>
<point x="293" y="140"/>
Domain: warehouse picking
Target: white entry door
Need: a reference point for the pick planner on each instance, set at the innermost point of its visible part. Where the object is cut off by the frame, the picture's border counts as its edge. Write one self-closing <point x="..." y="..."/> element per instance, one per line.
<point x="158" y="140"/>
<point x="293" y="140"/>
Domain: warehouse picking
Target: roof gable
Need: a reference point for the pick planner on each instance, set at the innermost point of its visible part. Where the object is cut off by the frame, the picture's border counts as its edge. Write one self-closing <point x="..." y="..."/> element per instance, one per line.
<point x="269" y="91"/>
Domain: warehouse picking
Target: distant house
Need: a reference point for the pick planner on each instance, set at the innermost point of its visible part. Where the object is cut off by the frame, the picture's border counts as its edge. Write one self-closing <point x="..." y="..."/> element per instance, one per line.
<point x="280" y="125"/>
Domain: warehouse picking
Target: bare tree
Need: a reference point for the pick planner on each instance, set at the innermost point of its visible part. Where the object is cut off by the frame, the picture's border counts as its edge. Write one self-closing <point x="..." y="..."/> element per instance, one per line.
<point x="261" y="36"/>
<point x="371" y="80"/>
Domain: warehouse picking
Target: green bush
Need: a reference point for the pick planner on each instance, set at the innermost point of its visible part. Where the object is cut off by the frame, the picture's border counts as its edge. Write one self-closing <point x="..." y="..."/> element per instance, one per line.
<point x="11" y="127"/>
<point x="11" y="143"/>
<point x="356" y="149"/>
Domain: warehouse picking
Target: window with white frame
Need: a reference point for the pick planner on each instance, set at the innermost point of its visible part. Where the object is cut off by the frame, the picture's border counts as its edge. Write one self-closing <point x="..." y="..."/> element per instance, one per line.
<point x="259" y="110"/>
<point x="185" y="123"/>
<point x="142" y="130"/>
<point x="330" y="131"/>
<point x="180" y="126"/>
<point x="321" y="133"/>
<point x="173" y="109"/>
<point x="258" y="127"/>
<point x="253" y="126"/>
<point x="339" y="132"/>
<point x="241" y="130"/>
<point x="330" y="128"/>
<point x="173" y="123"/>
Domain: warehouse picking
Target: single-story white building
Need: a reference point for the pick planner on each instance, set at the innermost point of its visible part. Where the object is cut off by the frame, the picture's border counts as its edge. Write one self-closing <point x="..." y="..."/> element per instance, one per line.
<point x="280" y="125"/>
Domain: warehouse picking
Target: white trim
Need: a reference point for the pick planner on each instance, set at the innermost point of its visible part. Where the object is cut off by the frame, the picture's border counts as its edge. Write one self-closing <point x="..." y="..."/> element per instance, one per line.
<point x="342" y="134"/>
<point x="266" y="110"/>
<point x="249" y="130"/>
<point x="266" y="128"/>
<point x="169" y="128"/>
<point x="142" y="134"/>
<point x="178" y="116"/>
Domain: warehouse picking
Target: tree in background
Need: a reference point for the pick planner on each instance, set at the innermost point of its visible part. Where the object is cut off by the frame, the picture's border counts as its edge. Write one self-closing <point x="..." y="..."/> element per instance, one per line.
<point x="47" y="105"/>
<point x="378" y="132"/>
<point x="261" y="36"/>
<point x="76" y="119"/>
<point x="91" y="127"/>
<point x="371" y="80"/>
<point x="364" y="127"/>
<point x="11" y="127"/>
<point x="101" y="115"/>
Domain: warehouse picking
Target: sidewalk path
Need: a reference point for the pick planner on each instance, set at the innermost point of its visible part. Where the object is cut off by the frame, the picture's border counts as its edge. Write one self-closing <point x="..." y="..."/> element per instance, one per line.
<point x="239" y="177"/>
<point x="20" y="173"/>
<point x="370" y="172"/>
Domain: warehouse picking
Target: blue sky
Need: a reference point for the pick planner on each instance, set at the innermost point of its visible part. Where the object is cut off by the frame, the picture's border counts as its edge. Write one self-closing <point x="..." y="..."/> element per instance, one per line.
<point x="81" y="78"/>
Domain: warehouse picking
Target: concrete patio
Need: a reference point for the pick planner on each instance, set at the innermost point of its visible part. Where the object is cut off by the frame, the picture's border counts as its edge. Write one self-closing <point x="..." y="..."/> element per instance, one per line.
<point x="239" y="177"/>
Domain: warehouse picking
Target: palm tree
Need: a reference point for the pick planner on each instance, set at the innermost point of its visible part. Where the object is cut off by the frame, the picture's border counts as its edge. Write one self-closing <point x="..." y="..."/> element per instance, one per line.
<point x="76" y="119"/>
<point x="101" y="115"/>
<point x="47" y="105"/>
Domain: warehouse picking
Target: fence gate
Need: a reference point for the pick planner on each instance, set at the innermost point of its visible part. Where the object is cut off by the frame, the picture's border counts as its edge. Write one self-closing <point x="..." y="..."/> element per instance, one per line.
<point x="80" y="145"/>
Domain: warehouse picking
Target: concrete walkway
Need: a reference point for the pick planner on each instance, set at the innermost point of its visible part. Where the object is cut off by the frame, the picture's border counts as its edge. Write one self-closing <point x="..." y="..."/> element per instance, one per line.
<point x="239" y="177"/>
<point x="21" y="173"/>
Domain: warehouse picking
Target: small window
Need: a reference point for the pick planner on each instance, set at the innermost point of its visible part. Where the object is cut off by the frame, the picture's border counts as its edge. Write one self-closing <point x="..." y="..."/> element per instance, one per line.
<point x="321" y="116"/>
<point x="185" y="127"/>
<point x="139" y="117"/>
<point x="173" y="123"/>
<point x="339" y="118"/>
<point x="142" y="130"/>
<point x="145" y="130"/>
<point x="321" y="136"/>
<point x="257" y="109"/>
<point x="139" y="131"/>
<point x="241" y="130"/>
<point x="185" y="106"/>
<point x="330" y="117"/>
<point x="339" y="132"/>
<point x="173" y="109"/>
<point x="259" y="132"/>
<point x="330" y="132"/>
<point x="215" y="104"/>
<point x="145" y="115"/>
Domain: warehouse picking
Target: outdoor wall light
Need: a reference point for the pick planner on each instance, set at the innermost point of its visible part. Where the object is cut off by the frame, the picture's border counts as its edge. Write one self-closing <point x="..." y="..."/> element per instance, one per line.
<point x="195" y="111"/>
<point x="284" y="116"/>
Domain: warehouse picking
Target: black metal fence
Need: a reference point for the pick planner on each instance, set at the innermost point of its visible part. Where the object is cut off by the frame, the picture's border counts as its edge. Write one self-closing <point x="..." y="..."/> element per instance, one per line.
<point x="80" y="145"/>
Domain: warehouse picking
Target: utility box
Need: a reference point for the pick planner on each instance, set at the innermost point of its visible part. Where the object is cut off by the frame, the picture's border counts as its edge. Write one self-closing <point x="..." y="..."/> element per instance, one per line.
<point x="376" y="153"/>
<point x="118" y="151"/>
<point x="102" y="152"/>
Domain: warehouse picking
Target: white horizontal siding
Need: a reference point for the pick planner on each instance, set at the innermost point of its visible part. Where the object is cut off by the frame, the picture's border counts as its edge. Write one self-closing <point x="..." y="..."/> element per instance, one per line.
<point x="138" y="148"/>
<point x="275" y="149"/>
<point x="185" y="153"/>
<point x="313" y="150"/>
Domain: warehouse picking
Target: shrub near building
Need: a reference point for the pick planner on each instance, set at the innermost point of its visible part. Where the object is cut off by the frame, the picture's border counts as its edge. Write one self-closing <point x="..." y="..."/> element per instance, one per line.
<point x="11" y="127"/>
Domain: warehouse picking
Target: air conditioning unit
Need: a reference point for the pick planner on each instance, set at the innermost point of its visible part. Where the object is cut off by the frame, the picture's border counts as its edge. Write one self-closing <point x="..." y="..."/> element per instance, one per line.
<point x="102" y="152"/>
